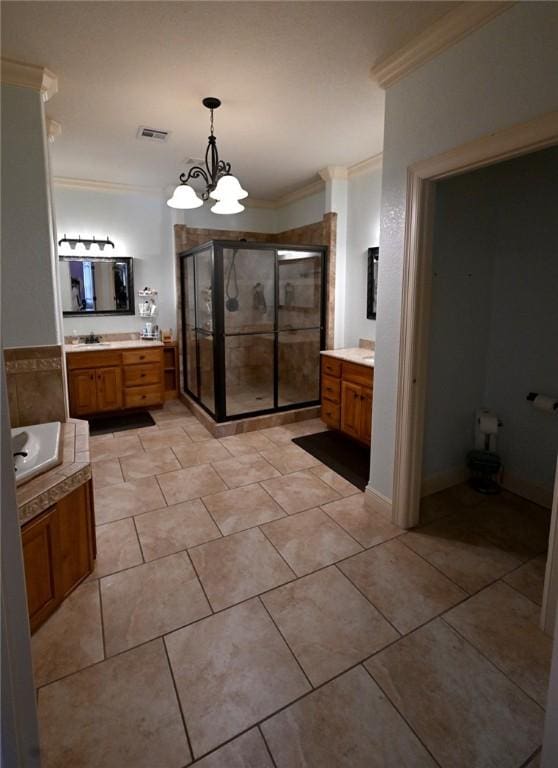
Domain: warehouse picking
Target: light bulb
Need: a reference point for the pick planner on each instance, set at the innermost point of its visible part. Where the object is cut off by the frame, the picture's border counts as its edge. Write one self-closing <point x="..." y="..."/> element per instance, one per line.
<point x="184" y="197"/>
<point x="227" y="206"/>
<point x="228" y="188"/>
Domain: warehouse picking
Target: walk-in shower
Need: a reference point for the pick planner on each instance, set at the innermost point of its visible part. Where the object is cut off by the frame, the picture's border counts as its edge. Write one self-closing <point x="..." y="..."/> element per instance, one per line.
<point x="252" y="326"/>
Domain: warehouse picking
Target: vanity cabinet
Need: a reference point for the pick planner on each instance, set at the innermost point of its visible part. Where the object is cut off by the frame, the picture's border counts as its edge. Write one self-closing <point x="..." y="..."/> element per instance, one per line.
<point x="347" y="397"/>
<point x="58" y="552"/>
<point x="108" y="381"/>
<point x="95" y="390"/>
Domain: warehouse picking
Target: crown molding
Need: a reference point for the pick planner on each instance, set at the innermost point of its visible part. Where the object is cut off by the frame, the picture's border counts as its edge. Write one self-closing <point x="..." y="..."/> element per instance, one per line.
<point x="366" y="166"/>
<point x="54" y="129"/>
<point x="256" y="202"/>
<point x="461" y="21"/>
<point x="299" y="194"/>
<point x="29" y="76"/>
<point x="104" y="186"/>
<point x="334" y="173"/>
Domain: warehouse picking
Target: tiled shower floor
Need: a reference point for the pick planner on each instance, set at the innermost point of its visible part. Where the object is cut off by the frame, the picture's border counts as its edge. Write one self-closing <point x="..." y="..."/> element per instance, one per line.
<point x="248" y="607"/>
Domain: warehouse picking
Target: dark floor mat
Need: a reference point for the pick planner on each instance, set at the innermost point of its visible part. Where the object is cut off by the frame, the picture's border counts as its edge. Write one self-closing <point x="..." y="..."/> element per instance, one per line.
<point x="348" y="458"/>
<point x="102" y="425"/>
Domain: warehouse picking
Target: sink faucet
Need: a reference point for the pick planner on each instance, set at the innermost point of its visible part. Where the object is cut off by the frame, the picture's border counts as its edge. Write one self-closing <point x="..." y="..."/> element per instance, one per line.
<point x="92" y="339"/>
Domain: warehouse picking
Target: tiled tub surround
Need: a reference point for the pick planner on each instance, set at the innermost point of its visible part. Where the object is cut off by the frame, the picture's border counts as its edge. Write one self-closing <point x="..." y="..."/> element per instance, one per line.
<point x="249" y="609"/>
<point x="43" y="491"/>
<point x="35" y="381"/>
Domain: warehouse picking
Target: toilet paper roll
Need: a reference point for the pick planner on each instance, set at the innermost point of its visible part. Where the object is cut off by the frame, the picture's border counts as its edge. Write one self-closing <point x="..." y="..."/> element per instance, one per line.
<point x="545" y="403"/>
<point x="488" y="424"/>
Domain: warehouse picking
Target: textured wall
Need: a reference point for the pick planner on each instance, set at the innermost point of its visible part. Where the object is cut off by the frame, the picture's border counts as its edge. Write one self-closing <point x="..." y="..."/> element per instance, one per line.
<point x="504" y="73"/>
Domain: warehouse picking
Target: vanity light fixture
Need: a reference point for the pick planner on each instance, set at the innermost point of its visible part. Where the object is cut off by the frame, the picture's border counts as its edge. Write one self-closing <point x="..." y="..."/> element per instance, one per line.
<point x="220" y="184"/>
<point x="86" y="242"/>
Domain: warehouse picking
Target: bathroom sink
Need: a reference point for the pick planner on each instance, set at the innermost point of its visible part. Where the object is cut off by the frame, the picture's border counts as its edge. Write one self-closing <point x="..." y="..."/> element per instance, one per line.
<point x="35" y="449"/>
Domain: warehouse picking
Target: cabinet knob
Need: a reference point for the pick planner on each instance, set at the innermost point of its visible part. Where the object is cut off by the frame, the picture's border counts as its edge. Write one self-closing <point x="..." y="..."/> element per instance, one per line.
<point x="143" y="375"/>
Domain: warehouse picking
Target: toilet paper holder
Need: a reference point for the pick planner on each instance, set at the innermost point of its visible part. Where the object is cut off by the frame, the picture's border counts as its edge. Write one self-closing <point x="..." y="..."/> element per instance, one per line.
<point x="532" y="396"/>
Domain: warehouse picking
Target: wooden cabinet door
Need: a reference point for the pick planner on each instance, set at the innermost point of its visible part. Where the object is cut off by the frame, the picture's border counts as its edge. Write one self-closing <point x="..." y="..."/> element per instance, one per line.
<point x="40" y="544"/>
<point x="109" y="389"/>
<point x="75" y="537"/>
<point x="366" y="415"/>
<point x="351" y="408"/>
<point x="83" y="392"/>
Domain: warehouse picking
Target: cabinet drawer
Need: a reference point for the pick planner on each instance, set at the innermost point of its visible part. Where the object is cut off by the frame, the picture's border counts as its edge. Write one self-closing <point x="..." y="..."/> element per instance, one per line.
<point x="331" y="366"/>
<point x="139" y="375"/>
<point x="97" y="359"/>
<point x="358" y="374"/>
<point x="134" y="356"/>
<point x="136" y="397"/>
<point x="331" y="389"/>
<point x="330" y="414"/>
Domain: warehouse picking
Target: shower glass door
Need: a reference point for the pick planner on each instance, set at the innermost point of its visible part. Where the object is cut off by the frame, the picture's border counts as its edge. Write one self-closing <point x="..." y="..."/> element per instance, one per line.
<point x="299" y="326"/>
<point x="249" y="320"/>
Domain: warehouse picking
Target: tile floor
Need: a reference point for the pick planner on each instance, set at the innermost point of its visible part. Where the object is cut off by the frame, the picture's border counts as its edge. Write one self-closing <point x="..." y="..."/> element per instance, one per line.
<point x="248" y="609"/>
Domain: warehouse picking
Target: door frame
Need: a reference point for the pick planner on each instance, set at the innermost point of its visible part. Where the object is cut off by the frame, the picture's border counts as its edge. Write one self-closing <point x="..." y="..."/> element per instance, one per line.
<point x="521" y="139"/>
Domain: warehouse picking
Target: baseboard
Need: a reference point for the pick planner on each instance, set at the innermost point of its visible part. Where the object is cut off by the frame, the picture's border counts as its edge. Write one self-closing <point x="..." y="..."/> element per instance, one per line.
<point x="527" y="490"/>
<point x="378" y="502"/>
<point x="442" y="480"/>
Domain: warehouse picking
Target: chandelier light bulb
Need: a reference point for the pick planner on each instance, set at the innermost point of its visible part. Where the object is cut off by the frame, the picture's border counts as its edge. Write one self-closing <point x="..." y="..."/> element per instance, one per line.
<point x="227" y="207"/>
<point x="228" y="188"/>
<point x="184" y="197"/>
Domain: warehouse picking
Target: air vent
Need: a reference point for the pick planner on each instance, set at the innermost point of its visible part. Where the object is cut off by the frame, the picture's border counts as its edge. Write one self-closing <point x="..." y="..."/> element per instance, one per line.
<point x="153" y="134"/>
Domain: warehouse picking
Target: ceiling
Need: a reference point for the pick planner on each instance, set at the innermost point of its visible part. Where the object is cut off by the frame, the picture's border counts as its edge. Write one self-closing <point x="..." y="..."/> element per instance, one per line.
<point x="293" y="78"/>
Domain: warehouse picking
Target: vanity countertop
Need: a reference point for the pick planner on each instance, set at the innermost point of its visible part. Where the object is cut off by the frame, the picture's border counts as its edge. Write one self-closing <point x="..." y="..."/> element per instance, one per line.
<point x="42" y="491"/>
<point x="108" y="345"/>
<point x="352" y="355"/>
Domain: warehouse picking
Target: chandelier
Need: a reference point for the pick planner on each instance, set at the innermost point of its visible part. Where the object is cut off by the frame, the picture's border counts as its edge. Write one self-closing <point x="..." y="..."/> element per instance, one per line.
<point x="220" y="184"/>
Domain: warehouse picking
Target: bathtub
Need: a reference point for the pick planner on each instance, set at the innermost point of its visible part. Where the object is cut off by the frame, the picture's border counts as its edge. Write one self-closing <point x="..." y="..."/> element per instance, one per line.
<point x="35" y="449"/>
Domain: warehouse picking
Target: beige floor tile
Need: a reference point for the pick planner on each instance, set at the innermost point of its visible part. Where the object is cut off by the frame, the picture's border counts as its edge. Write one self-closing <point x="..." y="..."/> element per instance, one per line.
<point x="529" y="579"/>
<point x="245" y="469"/>
<point x="468" y="558"/>
<point x="246" y="751"/>
<point x="513" y="524"/>
<point x="148" y="463"/>
<point x="290" y="458"/>
<point x="231" y="670"/>
<point x="463" y="709"/>
<point x="106" y="472"/>
<point x="99" y="439"/>
<point x="310" y="540"/>
<point x="200" y="453"/>
<point x="348" y="723"/>
<point x="355" y="515"/>
<point x="115" y="447"/>
<point x="190" y="483"/>
<point x="117" y="547"/>
<point x="279" y="436"/>
<point x="503" y="626"/>
<point x="448" y="502"/>
<point x="165" y="438"/>
<point x="172" y="529"/>
<point x="247" y="442"/>
<point x="122" y="712"/>
<point x="71" y="639"/>
<point x="237" y="567"/>
<point x="405" y="588"/>
<point x="242" y="508"/>
<point x="149" y="600"/>
<point x="327" y="623"/>
<point x="306" y="427"/>
<point x="338" y="483"/>
<point x="299" y="491"/>
<point x="197" y="432"/>
<point x="126" y="499"/>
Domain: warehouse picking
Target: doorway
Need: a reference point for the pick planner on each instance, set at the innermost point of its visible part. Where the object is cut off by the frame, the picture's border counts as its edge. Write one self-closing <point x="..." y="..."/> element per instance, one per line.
<point x="417" y="292"/>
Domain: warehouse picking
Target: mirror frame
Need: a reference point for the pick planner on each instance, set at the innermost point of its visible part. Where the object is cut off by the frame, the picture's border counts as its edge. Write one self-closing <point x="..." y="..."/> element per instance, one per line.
<point x="111" y="312"/>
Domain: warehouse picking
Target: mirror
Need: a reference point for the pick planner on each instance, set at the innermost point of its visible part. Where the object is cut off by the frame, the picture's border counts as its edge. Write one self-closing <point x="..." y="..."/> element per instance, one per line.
<point x="96" y="286"/>
<point x="372" y="283"/>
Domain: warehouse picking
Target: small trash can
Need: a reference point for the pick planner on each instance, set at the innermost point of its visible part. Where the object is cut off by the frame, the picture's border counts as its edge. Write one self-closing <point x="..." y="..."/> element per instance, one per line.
<point x="484" y="467"/>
